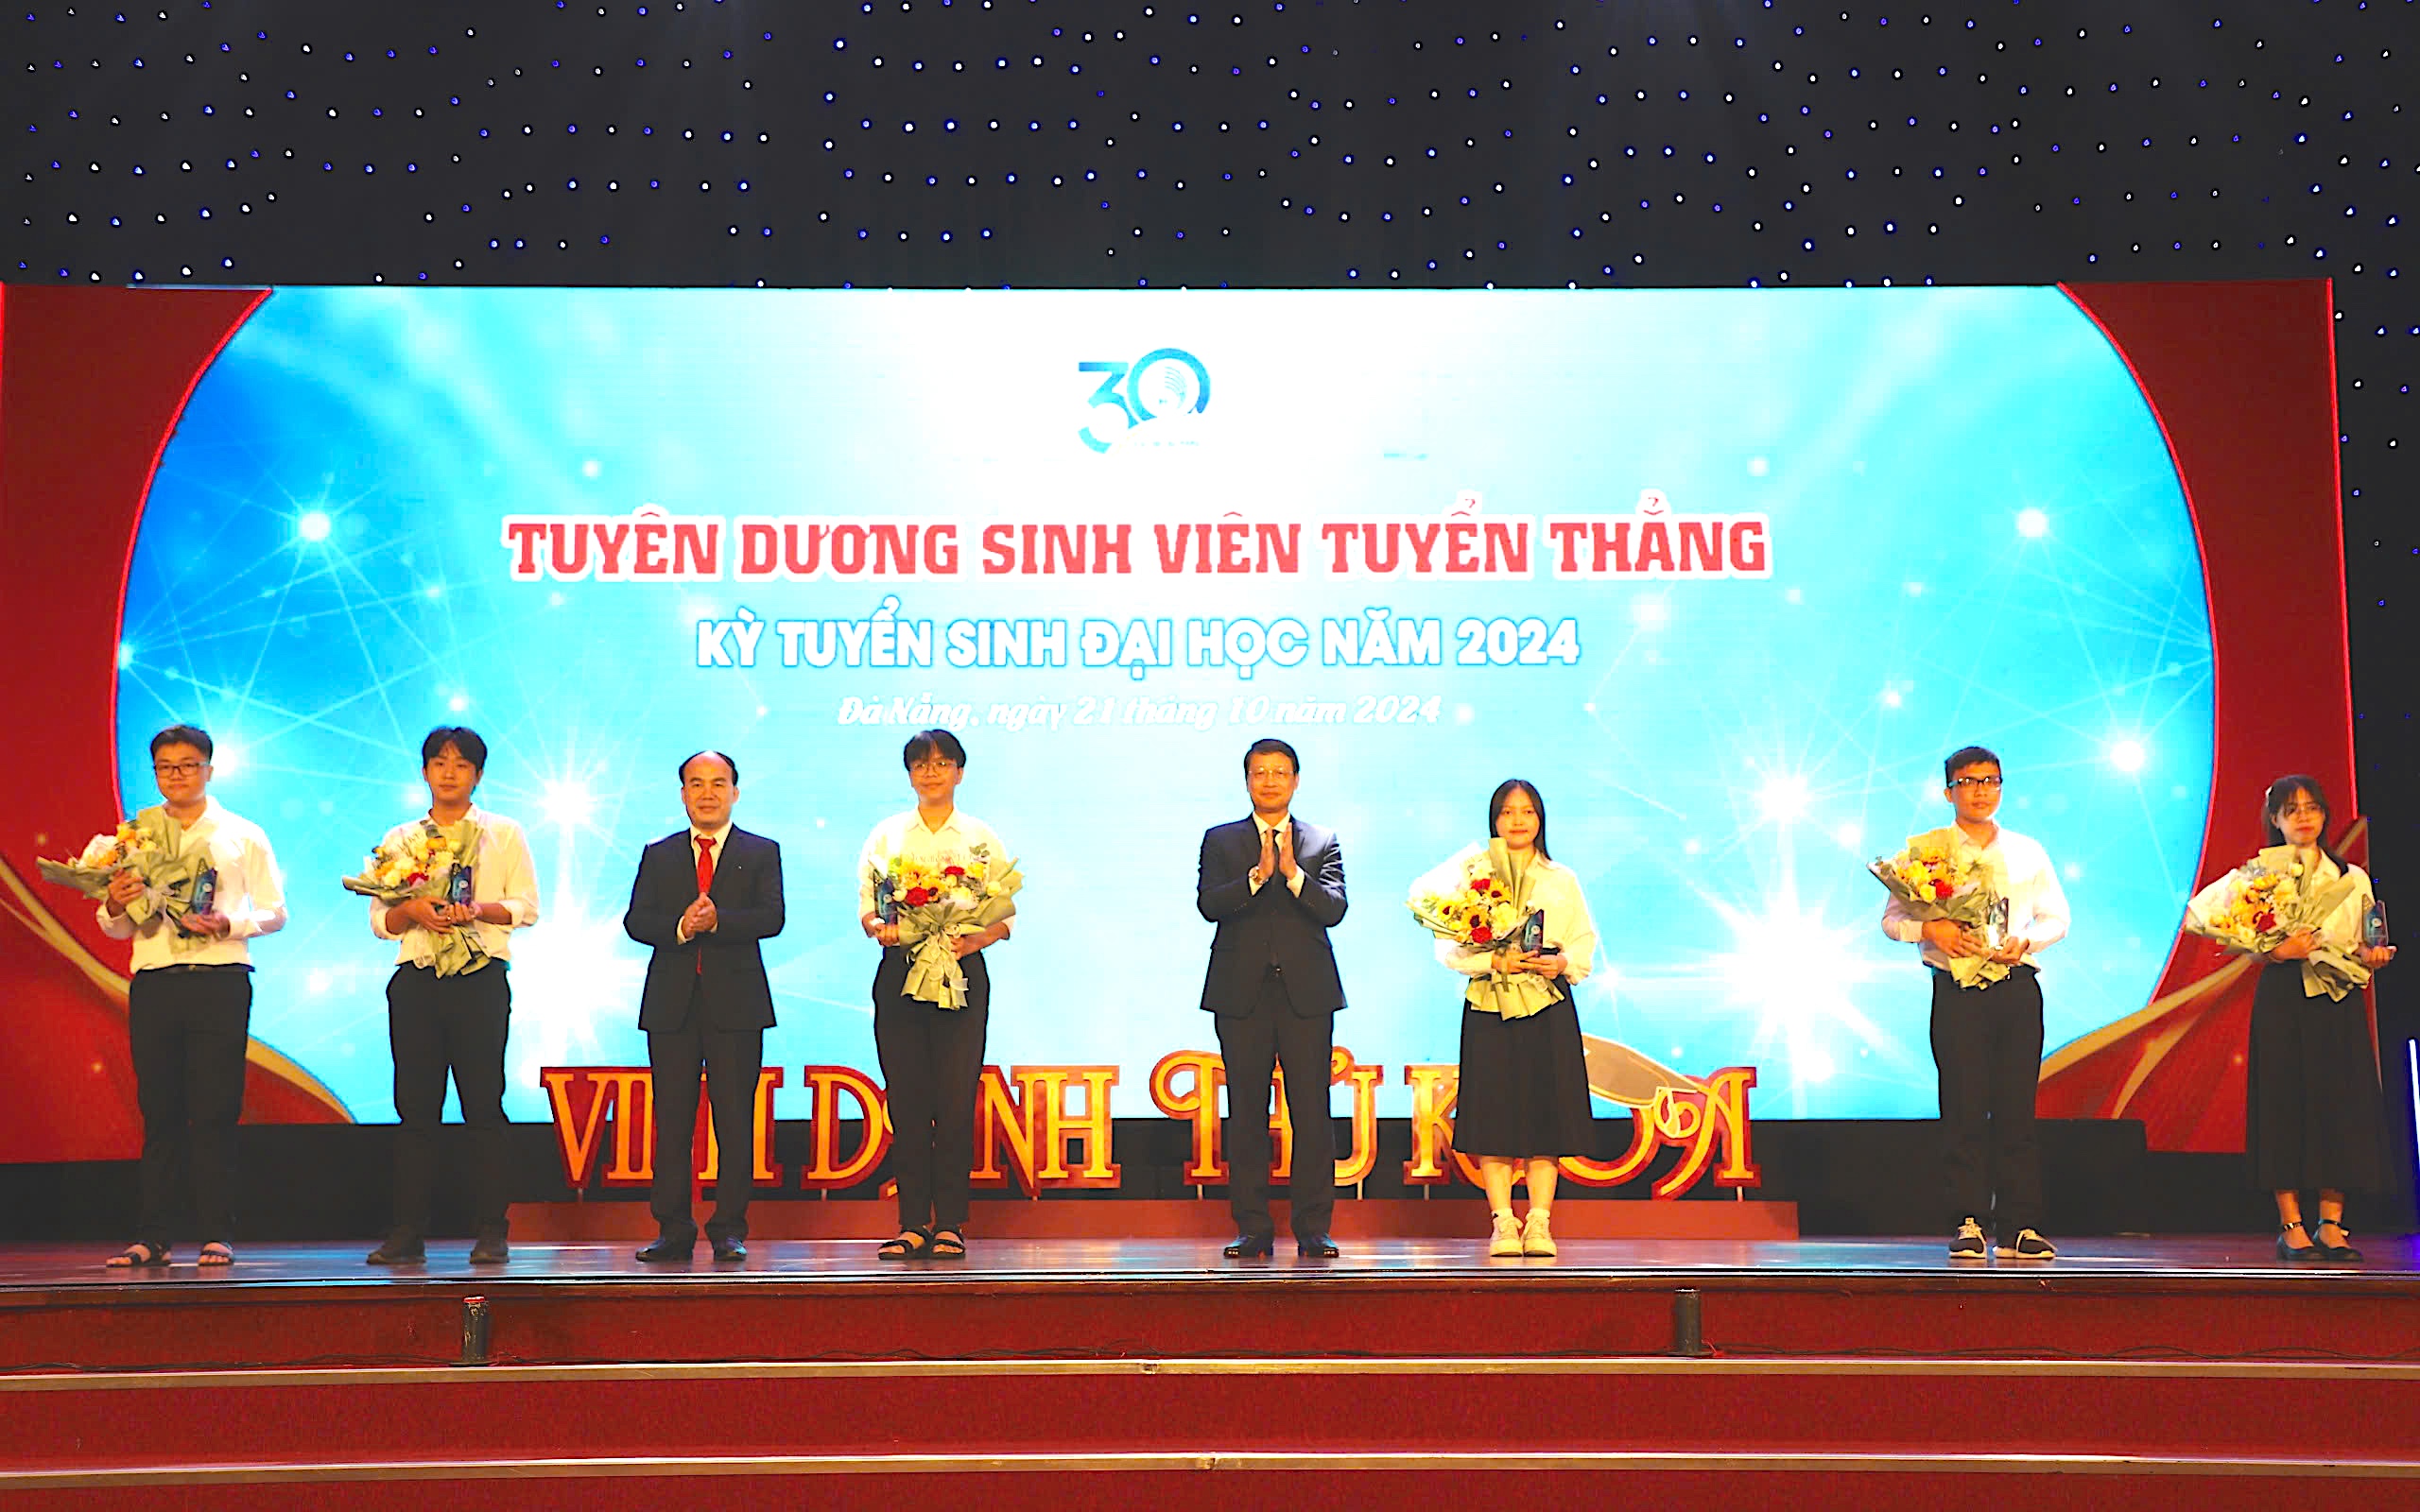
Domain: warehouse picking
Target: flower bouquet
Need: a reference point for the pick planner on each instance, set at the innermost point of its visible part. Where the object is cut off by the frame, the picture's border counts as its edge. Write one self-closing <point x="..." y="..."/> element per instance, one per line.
<point x="2254" y="908"/>
<point x="937" y="902"/>
<point x="148" y="845"/>
<point x="429" y="862"/>
<point x="1480" y="902"/>
<point x="1934" y="876"/>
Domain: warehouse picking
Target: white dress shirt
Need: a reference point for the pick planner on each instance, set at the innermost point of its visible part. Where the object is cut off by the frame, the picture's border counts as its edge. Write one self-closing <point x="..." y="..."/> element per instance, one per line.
<point x="251" y="894"/>
<point x="1554" y="889"/>
<point x="952" y="843"/>
<point x="1269" y="842"/>
<point x="2019" y="871"/>
<point x="501" y="872"/>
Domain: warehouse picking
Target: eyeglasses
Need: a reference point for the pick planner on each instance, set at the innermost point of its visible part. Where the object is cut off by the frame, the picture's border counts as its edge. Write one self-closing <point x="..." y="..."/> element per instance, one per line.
<point x="177" y="769"/>
<point x="2303" y="811"/>
<point x="1974" y="782"/>
<point x="932" y="767"/>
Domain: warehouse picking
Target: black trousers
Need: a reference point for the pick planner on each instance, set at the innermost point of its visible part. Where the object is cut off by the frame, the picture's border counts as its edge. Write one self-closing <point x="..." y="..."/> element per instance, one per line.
<point x="437" y="1024"/>
<point x="732" y="1060"/>
<point x="186" y="1028"/>
<point x="1987" y="1045"/>
<point x="1271" y="1035"/>
<point x="932" y="1062"/>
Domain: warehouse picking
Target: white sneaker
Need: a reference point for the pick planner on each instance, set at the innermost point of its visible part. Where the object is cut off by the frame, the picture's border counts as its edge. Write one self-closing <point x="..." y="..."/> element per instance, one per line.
<point x="1504" y="1240"/>
<point x="1535" y="1240"/>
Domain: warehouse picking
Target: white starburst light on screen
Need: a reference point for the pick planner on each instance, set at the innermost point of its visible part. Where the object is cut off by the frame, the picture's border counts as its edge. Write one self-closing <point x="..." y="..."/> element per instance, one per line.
<point x="1849" y="835"/>
<point x="2033" y="524"/>
<point x="312" y="526"/>
<point x="1651" y="614"/>
<point x="567" y="802"/>
<point x="1780" y="800"/>
<point x="2127" y="754"/>
<point x="1796" y="975"/>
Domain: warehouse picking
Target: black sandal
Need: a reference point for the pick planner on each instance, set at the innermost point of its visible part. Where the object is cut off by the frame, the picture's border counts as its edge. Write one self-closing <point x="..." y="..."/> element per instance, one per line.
<point x="948" y="1244"/>
<point x="904" y="1248"/>
<point x="2295" y="1254"/>
<point x="140" y="1255"/>
<point x="2335" y="1252"/>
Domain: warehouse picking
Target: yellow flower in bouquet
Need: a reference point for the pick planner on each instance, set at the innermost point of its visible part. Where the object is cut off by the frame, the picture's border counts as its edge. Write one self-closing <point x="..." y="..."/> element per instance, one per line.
<point x="1479" y="912"/>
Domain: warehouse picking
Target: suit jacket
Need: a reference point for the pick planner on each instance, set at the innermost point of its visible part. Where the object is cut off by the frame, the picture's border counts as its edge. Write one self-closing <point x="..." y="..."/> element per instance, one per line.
<point x="747" y="894"/>
<point x="1257" y="928"/>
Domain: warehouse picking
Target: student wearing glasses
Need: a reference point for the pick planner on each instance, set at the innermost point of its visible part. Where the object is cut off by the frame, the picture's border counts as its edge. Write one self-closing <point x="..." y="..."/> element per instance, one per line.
<point x="931" y="1052"/>
<point x="1987" y="1039"/>
<point x="189" y="1000"/>
<point x="2313" y="1120"/>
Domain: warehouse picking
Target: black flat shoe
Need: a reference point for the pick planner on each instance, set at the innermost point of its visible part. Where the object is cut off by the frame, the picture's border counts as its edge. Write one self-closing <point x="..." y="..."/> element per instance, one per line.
<point x="397" y="1252"/>
<point x="2297" y="1254"/>
<point x="730" y="1249"/>
<point x="2340" y="1253"/>
<point x="1316" y="1246"/>
<point x="665" y="1250"/>
<point x="1250" y="1246"/>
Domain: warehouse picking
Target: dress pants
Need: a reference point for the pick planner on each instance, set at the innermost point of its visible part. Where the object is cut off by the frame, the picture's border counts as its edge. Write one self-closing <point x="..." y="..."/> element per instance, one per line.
<point x="436" y="1024"/>
<point x="932" y="1064"/>
<point x="186" y="1028"/>
<point x="1987" y="1045"/>
<point x="1253" y="1045"/>
<point x="732" y="1060"/>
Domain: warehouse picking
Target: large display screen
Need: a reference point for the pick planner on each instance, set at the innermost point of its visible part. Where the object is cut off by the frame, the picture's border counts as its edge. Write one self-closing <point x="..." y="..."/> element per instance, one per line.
<point x="1724" y="574"/>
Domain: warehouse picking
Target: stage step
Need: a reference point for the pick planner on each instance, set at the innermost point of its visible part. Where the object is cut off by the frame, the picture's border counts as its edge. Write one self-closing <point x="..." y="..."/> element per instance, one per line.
<point x="221" y="1421"/>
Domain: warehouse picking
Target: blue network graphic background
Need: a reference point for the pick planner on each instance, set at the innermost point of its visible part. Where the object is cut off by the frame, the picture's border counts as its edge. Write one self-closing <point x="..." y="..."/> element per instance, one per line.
<point x="1977" y="536"/>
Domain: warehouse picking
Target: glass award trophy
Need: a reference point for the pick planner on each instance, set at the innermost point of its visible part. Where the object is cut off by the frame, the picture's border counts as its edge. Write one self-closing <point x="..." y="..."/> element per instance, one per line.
<point x="2374" y="926"/>
<point x="1996" y="924"/>
<point x="886" y="901"/>
<point x="457" y="887"/>
<point x="1531" y="940"/>
<point x="205" y="896"/>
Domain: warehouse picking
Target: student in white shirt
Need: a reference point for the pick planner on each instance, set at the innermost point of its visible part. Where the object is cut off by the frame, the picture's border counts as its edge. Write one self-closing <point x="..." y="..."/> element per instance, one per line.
<point x="1523" y="1097"/>
<point x="455" y="1023"/>
<point x="189" y="1001"/>
<point x="931" y="1054"/>
<point x="1987" y="1039"/>
<point x="2313" y="1118"/>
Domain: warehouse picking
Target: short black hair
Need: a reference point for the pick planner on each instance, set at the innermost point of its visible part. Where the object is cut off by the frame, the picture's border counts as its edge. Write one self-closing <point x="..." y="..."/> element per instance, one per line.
<point x="1964" y="757"/>
<point x="1272" y="745"/>
<point x="193" y="735"/>
<point x="939" y="743"/>
<point x="464" y="740"/>
<point x="716" y="755"/>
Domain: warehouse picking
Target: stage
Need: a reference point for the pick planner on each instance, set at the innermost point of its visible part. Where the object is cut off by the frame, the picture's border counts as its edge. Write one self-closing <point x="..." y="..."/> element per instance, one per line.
<point x="1860" y="1371"/>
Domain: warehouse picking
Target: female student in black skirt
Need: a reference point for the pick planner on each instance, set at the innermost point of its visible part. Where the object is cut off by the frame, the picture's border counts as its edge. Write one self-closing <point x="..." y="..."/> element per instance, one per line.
<point x="2312" y="1113"/>
<point x="1524" y="1097"/>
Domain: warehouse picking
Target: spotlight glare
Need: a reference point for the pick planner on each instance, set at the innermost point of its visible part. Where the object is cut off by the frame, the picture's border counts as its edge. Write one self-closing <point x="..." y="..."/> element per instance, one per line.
<point x="567" y="803"/>
<point x="2128" y="755"/>
<point x="1782" y="799"/>
<point x="2033" y="524"/>
<point x="312" y="526"/>
<point x="1651" y="614"/>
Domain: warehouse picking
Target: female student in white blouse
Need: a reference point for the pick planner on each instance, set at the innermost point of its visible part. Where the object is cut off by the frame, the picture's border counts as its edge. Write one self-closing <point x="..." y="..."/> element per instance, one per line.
<point x="931" y="1053"/>
<point x="2312" y="1113"/>
<point x="1524" y="1091"/>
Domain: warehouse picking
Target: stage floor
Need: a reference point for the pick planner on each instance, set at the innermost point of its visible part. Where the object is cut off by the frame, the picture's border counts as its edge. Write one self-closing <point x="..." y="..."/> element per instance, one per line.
<point x="2391" y="1263"/>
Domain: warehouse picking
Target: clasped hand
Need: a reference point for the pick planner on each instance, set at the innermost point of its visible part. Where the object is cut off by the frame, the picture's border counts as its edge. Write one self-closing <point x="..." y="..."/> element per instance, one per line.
<point x="429" y="914"/>
<point x="1953" y="938"/>
<point x="700" y="917"/>
<point x="1509" y="962"/>
<point x="1276" y="855"/>
<point x="2302" y="942"/>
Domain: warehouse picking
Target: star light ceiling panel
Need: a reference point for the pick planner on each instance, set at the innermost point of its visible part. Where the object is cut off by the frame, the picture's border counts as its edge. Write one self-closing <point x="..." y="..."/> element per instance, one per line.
<point x="1725" y="574"/>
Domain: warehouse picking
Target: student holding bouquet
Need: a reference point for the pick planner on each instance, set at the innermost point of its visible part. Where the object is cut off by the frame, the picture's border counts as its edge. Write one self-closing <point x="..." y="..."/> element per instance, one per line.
<point x="933" y="891"/>
<point x="466" y="884"/>
<point x="189" y="1001"/>
<point x="2312" y="1112"/>
<point x="1987" y="1037"/>
<point x="1524" y="1091"/>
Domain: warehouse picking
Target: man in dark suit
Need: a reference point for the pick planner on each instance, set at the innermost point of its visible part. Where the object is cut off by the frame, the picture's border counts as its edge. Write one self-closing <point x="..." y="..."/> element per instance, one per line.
<point x="704" y="897"/>
<point x="1274" y="887"/>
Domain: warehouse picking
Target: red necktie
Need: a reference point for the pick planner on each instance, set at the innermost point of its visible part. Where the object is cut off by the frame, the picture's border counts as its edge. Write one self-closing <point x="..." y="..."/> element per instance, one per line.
<point x="705" y="883"/>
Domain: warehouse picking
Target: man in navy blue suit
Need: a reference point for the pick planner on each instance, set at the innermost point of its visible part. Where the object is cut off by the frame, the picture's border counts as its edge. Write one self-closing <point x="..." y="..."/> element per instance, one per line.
<point x="704" y="897"/>
<point x="1274" y="887"/>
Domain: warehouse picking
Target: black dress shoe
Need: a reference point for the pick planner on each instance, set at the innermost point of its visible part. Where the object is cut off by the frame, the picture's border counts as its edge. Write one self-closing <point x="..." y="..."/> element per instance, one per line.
<point x="731" y="1249"/>
<point x="491" y="1250"/>
<point x="397" y="1252"/>
<point x="666" y="1250"/>
<point x="1315" y="1247"/>
<point x="1248" y="1246"/>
